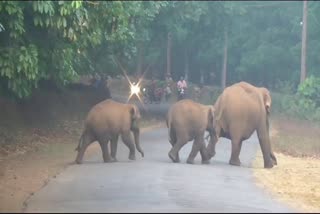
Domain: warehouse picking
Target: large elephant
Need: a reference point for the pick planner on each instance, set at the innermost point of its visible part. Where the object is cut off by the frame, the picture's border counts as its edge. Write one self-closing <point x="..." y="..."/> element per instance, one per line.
<point x="240" y="110"/>
<point x="104" y="123"/>
<point x="187" y="121"/>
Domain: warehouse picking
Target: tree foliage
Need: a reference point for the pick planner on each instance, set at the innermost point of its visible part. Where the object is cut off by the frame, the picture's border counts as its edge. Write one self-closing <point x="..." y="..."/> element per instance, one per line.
<point x="60" y="40"/>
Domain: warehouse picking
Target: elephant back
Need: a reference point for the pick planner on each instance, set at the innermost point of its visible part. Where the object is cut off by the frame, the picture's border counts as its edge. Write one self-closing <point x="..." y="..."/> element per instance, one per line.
<point x="188" y="115"/>
<point x="109" y="116"/>
<point x="239" y="109"/>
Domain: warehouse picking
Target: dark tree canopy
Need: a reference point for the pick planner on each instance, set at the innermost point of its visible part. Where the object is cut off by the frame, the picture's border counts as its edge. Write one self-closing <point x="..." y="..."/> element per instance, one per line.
<point x="60" y="40"/>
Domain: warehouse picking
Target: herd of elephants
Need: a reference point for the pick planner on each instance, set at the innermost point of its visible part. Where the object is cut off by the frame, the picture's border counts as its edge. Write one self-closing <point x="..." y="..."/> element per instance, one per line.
<point x="239" y="110"/>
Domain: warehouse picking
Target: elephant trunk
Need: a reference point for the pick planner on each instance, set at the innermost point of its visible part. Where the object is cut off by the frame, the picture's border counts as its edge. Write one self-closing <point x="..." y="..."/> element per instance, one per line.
<point x="136" y="134"/>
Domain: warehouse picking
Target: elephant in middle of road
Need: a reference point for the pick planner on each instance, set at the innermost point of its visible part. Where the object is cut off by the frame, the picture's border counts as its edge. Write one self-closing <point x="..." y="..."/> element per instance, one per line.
<point x="105" y="122"/>
<point x="240" y="110"/>
<point x="188" y="120"/>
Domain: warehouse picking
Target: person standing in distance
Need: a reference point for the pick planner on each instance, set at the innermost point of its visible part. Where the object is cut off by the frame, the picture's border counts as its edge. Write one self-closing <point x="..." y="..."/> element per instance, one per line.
<point x="182" y="87"/>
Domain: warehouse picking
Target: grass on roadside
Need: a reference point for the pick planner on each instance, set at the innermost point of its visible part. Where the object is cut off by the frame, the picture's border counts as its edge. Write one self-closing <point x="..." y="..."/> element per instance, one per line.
<point x="295" y="137"/>
<point x="296" y="179"/>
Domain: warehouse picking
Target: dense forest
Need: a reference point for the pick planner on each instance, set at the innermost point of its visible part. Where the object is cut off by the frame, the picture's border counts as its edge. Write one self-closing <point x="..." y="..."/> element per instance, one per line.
<point x="258" y="42"/>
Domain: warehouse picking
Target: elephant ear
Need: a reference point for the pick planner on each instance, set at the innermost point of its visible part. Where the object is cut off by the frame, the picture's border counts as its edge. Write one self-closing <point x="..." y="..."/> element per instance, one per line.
<point x="266" y="98"/>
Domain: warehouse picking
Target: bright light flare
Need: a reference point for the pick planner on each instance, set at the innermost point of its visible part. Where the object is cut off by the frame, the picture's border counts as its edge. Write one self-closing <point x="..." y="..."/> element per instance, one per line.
<point x="135" y="89"/>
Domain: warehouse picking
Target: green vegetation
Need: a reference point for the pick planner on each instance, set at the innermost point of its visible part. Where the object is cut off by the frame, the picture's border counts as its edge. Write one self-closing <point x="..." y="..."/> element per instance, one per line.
<point x="304" y="104"/>
<point x="58" y="41"/>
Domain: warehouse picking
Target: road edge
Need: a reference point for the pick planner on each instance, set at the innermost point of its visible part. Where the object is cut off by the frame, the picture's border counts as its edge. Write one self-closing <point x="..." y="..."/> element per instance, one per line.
<point x="65" y="166"/>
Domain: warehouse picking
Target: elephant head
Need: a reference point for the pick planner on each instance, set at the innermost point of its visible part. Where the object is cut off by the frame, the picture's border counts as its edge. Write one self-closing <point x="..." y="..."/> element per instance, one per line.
<point x="135" y="118"/>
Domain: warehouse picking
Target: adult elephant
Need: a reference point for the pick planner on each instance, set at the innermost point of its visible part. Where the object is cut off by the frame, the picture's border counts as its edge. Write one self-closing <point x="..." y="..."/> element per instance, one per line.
<point x="187" y="121"/>
<point x="104" y="123"/>
<point x="240" y="110"/>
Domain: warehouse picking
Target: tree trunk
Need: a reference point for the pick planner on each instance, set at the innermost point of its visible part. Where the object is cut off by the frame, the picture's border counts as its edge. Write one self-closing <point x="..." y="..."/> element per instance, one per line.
<point x="169" y="55"/>
<point x="304" y="43"/>
<point x="140" y="59"/>
<point x="186" y="65"/>
<point x="201" y="77"/>
<point x="225" y="60"/>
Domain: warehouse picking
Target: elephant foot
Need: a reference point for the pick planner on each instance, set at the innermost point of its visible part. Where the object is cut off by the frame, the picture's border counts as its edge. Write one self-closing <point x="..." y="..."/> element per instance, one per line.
<point x="205" y="161"/>
<point x="142" y="154"/>
<point x="132" y="157"/>
<point x="78" y="162"/>
<point x="268" y="165"/>
<point x="190" y="161"/>
<point x="275" y="162"/>
<point x="175" y="160"/>
<point x="211" y="155"/>
<point x="109" y="160"/>
<point x="114" y="159"/>
<point x="235" y="162"/>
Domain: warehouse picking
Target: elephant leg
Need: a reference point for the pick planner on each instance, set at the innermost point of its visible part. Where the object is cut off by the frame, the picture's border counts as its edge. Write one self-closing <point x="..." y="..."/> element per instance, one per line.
<point x="197" y="144"/>
<point x="173" y="141"/>
<point x="114" y="145"/>
<point x="104" y="144"/>
<point x="174" y="152"/>
<point x="85" y="140"/>
<point x="204" y="155"/>
<point x="266" y="148"/>
<point x="273" y="157"/>
<point x="177" y="155"/>
<point x="236" y="147"/>
<point x="127" y="140"/>
<point x="81" y="153"/>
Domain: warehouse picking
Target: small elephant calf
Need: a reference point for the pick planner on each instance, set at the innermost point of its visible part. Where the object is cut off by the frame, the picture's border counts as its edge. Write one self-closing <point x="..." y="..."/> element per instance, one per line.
<point x="104" y="123"/>
<point x="188" y="120"/>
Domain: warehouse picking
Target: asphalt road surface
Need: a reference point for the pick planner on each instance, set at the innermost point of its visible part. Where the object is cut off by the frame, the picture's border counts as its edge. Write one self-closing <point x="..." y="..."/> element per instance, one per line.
<point x="155" y="184"/>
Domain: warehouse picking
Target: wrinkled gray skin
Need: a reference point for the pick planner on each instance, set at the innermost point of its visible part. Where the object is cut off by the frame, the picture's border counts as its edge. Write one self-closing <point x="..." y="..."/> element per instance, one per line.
<point x="240" y="110"/>
<point x="187" y="121"/>
<point x="105" y="122"/>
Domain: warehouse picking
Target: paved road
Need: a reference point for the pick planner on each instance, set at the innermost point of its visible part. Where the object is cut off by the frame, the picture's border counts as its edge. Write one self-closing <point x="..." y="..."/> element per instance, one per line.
<point x="155" y="184"/>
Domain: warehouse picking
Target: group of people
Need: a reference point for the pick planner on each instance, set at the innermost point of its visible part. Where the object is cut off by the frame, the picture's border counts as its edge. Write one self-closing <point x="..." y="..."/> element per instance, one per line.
<point x="155" y="92"/>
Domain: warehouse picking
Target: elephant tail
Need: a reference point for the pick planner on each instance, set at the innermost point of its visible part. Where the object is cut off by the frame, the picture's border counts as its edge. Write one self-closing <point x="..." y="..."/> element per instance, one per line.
<point x="171" y="131"/>
<point x="80" y="142"/>
<point x="218" y="108"/>
<point x="169" y="127"/>
<point x="167" y="122"/>
<point x="171" y="134"/>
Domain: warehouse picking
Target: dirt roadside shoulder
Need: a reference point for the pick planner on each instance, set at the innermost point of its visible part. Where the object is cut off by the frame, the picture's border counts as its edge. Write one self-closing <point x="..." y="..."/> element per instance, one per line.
<point x="23" y="175"/>
<point x="296" y="179"/>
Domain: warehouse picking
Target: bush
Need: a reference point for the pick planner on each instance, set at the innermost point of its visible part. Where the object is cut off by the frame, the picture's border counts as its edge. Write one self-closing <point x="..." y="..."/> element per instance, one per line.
<point x="310" y="89"/>
<point x="305" y="104"/>
<point x="286" y="87"/>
